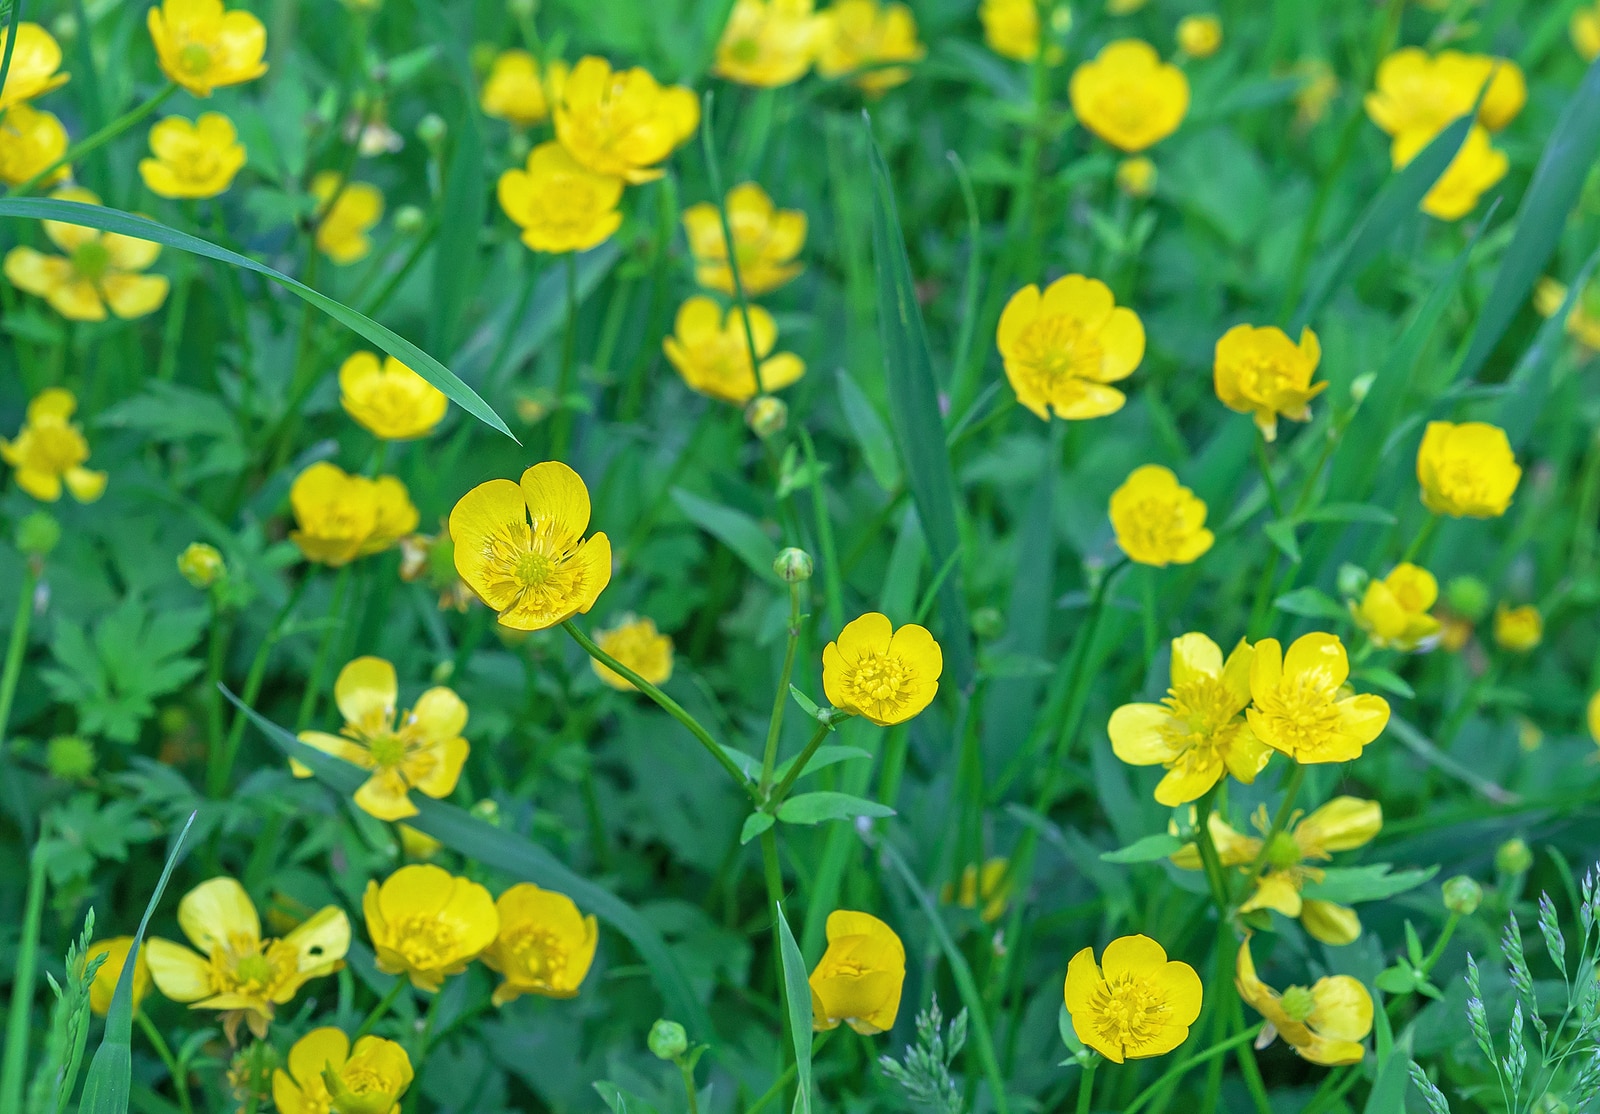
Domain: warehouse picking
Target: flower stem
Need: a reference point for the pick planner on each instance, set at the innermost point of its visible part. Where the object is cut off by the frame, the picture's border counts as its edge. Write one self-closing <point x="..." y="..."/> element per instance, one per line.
<point x="1175" y="1073"/>
<point x="824" y="729"/>
<point x="216" y="659"/>
<point x="561" y="422"/>
<point x="19" y="1019"/>
<point x="97" y="140"/>
<point x="17" y="648"/>
<point x="1419" y="542"/>
<point x="1086" y="1086"/>
<point x="220" y="766"/>
<point x="688" y="1085"/>
<point x="769" y="758"/>
<point x="180" y="1077"/>
<point x="381" y="1009"/>
<point x="1291" y="790"/>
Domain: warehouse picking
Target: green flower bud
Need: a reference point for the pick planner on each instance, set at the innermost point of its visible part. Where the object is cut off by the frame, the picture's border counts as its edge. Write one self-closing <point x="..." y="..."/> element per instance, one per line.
<point x="988" y="624"/>
<point x="201" y="565"/>
<point x="69" y="758"/>
<point x="1352" y="581"/>
<point x="487" y="810"/>
<point x="1361" y="386"/>
<point x="65" y="27"/>
<point x="1462" y="895"/>
<point x="432" y="129"/>
<point x="793" y="565"/>
<point x="1468" y="597"/>
<point x="38" y="534"/>
<point x="1513" y="857"/>
<point x="766" y="416"/>
<point x="409" y="220"/>
<point x="668" y="1041"/>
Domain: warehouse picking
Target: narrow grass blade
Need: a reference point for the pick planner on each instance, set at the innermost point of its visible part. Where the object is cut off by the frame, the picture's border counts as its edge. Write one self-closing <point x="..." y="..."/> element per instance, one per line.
<point x="797" y="992"/>
<point x="734" y="529"/>
<point x="1528" y="388"/>
<point x="24" y="976"/>
<point x="462" y="213"/>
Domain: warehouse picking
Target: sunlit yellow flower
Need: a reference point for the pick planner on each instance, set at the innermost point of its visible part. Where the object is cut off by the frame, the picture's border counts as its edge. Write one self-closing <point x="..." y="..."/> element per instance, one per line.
<point x="1325" y="1023"/>
<point x="1198" y="731"/>
<point x="388" y="399"/>
<point x="1136" y="1003"/>
<point x="1263" y="373"/>
<point x="1124" y="7"/>
<point x="1477" y="167"/>
<point x="1592" y="715"/>
<point x="1199" y="36"/>
<point x="1157" y="520"/>
<point x="515" y="91"/>
<point x="236" y="971"/>
<point x="990" y="884"/>
<point x="34" y="62"/>
<point x="192" y="160"/>
<point x="1342" y="824"/>
<point x="1467" y="470"/>
<point x="1011" y="28"/>
<point x="559" y="204"/>
<point x="1422" y="94"/>
<point x="767" y="42"/>
<point x="1136" y="176"/>
<point x="544" y="947"/>
<point x="202" y="47"/>
<point x="765" y="241"/>
<point x="534" y="576"/>
<point x="346" y="212"/>
<point x="882" y="674"/>
<point x="100" y="271"/>
<point x="1319" y="86"/>
<point x="1517" y="629"/>
<point x="1585" y="30"/>
<point x="1128" y="96"/>
<point x="105" y="979"/>
<point x="1064" y="347"/>
<point x="326" y="1075"/>
<point x="856" y="34"/>
<point x="50" y="450"/>
<point x="621" y="123"/>
<point x="342" y="517"/>
<point x="1583" y="320"/>
<point x="712" y="352"/>
<point x="427" y="924"/>
<point x="637" y="644"/>
<point x="1395" y="610"/>
<point x="859" y="978"/>
<point x="30" y="140"/>
<point x="1299" y="709"/>
<point x="201" y="565"/>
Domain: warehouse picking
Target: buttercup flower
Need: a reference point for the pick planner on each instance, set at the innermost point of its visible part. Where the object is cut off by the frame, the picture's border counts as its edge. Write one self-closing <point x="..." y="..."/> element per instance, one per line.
<point x="621" y="123"/>
<point x="1583" y="320"/>
<point x="427" y="924"/>
<point x="236" y="971"/>
<point x="418" y="844"/>
<point x="765" y="241"/>
<point x="514" y="91"/>
<point x="767" y="42"/>
<point x="859" y="978"/>
<point x="34" y="62"/>
<point x="50" y="449"/>
<point x="1467" y="470"/>
<point x="1592" y="716"/>
<point x="100" y="270"/>
<point x="1011" y="28"/>
<point x="637" y="644"/>
<point x="1298" y="708"/>
<point x="989" y="884"/>
<point x="1421" y="94"/>
<point x="882" y="674"/>
<point x="192" y="160"/>
<point x="559" y="204"/>
<point x="856" y="34"/>
<point x="1395" y="610"/>
<point x="1198" y="731"/>
<point x="1517" y="629"/>
<point x="1157" y="520"/>
<point x="1263" y="373"/>
<point x="202" y="47"/>
<point x="1585" y="30"/>
<point x="105" y="979"/>
<point x="30" y="140"/>
<point x="1325" y="1023"/>
<point x="534" y="576"/>
<point x="1477" y="167"/>
<point x="342" y="517"/>
<point x="388" y="399"/>
<point x="346" y="212"/>
<point x="1062" y="348"/>
<point x="1136" y="176"/>
<point x="326" y="1075"/>
<point x="545" y="945"/>
<point x="1233" y="848"/>
<point x="1199" y="36"/>
<point x="1128" y="96"/>
<point x="1138" y="1004"/>
<point x="712" y="353"/>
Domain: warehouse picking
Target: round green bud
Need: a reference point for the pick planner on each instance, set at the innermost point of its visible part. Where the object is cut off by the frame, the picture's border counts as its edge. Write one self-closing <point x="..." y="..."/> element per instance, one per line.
<point x="668" y="1041"/>
<point x="65" y="27"/>
<point x="38" y="534"/>
<point x="69" y="758"/>
<point x="201" y="565"/>
<point x="1462" y="895"/>
<point x="793" y="565"/>
<point x="1352" y="581"/>
<point x="432" y="129"/>
<point x="1468" y="597"/>
<point x="487" y="810"/>
<point x="988" y="624"/>
<point x="1513" y="857"/>
<point x="409" y="220"/>
<point x="766" y="416"/>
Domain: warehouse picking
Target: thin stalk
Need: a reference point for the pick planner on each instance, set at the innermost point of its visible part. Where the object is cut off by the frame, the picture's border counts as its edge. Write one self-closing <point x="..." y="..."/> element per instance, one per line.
<point x="319" y="666"/>
<point x="216" y="659"/>
<point x="19" y="1019"/>
<point x="688" y="1085"/>
<point x="769" y="757"/>
<point x="172" y="334"/>
<point x="782" y="790"/>
<point x="94" y="142"/>
<point x="963" y="376"/>
<point x="1280" y="820"/>
<point x="1265" y="465"/>
<point x="380" y="1010"/>
<point x="17" y="648"/>
<point x="1175" y="1073"/>
<point x="1419" y="543"/>
<point x="1148" y="616"/>
<point x="829" y="552"/>
<point x="180" y="1077"/>
<point x="715" y="174"/>
<point x="1246" y="1057"/>
<point x="1086" y="1086"/>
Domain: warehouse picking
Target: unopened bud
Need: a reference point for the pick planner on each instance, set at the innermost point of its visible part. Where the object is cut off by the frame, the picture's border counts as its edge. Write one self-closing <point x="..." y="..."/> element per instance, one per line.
<point x="1462" y="895"/>
<point x="201" y="565"/>
<point x="1513" y="857"/>
<point x="409" y="220"/>
<point x="487" y="810"/>
<point x="443" y="672"/>
<point x="38" y="534"/>
<point x="793" y="565"/>
<point x="65" y="27"/>
<point x="988" y="623"/>
<point x="1352" y="581"/>
<point x="69" y="758"/>
<point x="432" y="129"/>
<point x="766" y="416"/>
<point x="667" y="1040"/>
<point x="1468" y="597"/>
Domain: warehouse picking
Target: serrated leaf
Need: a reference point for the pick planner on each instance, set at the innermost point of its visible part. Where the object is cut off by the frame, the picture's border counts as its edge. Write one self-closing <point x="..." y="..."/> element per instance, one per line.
<point x="754" y="825"/>
<point x="815" y="808"/>
<point x="1351" y="884"/>
<point x="1147" y="850"/>
<point x="734" y="529"/>
<point x="1310" y="603"/>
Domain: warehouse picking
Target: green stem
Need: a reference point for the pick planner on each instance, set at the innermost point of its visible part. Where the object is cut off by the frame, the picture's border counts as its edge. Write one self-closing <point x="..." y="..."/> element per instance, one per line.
<point x="172" y="333"/>
<point x="1265" y="465"/>
<point x="319" y="666"/>
<point x="1148" y="616"/>
<point x="97" y="140"/>
<point x="380" y="1010"/>
<point x="715" y="174"/>
<point x="17" y="648"/>
<point x="1421" y="540"/>
<point x="824" y="729"/>
<point x="1208" y="852"/>
<point x="781" y="1084"/>
<point x="688" y="1086"/>
<point x="19" y="1019"/>
<point x="769" y="758"/>
<point x="1086" y="1086"/>
<point x="1280" y="821"/>
<point x="1183" y="1067"/>
<point x="180" y="1077"/>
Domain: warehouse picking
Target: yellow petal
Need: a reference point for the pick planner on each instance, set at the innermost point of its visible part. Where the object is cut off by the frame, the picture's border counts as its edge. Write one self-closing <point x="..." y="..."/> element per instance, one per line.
<point x="1275" y="890"/>
<point x="1139" y="737"/>
<point x="218" y="913"/>
<point x="179" y="973"/>
<point x="489" y="515"/>
<point x="326" y="1047"/>
<point x="336" y="745"/>
<point x="366" y="692"/>
<point x="85" y="484"/>
<point x="558" y="501"/>
<point x="1344" y="1008"/>
<point x="1340" y="825"/>
<point x="1129" y="956"/>
<point x="131" y="296"/>
<point x="1330" y="923"/>
<point x="1195" y="658"/>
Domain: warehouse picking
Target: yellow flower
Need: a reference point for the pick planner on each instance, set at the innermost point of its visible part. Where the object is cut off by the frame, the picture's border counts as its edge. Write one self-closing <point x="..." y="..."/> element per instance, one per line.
<point x="1583" y="320"/>
<point x="1136" y="176"/>
<point x="1233" y="848"/>
<point x="1325" y="1023"/>
<point x="1416" y="93"/>
<point x="50" y="449"/>
<point x="882" y="674"/>
<point x="1198" y="731"/>
<point x="1585" y="30"/>
<point x="1467" y="470"/>
<point x="533" y="576"/>
<point x="1263" y="373"/>
<point x="325" y="1074"/>
<point x="389" y="400"/>
<point x="1124" y="7"/>
<point x="1141" y="1004"/>
<point x="30" y="140"/>
<point x="1298" y="705"/>
<point x="201" y="565"/>
<point x="544" y="946"/>
<point x="514" y="90"/>
<point x="559" y="204"/>
<point x="1394" y="610"/>
<point x="637" y="644"/>
<point x="99" y="270"/>
<point x="990" y="884"/>
<point x="856" y="34"/>
<point x="859" y="978"/>
<point x="1128" y="96"/>
<point x="105" y="979"/>
<point x="192" y="160"/>
<point x="621" y="123"/>
<point x="1199" y="36"/>
<point x="767" y="42"/>
<point x="236" y="971"/>
<point x="1593" y="717"/>
<point x="1342" y="824"/>
<point x="1062" y="348"/>
<point x="712" y="353"/>
<point x="34" y="62"/>
<point x="346" y="212"/>
<point x="1157" y="520"/>
<point x="1011" y="28"/>
<point x="342" y="517"/>
<point x="427" y="924"/>
<point x="202" y="47"/>
<point x="1477" y="167"/>
<point x="765" y="241"/>
<point x="1517" y="629"/>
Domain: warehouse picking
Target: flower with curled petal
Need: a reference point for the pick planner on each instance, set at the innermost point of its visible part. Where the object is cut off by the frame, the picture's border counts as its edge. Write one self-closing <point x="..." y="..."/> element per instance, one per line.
<point x="324" y="1074"/>
<point x="31" y="140"/>
<point x="622" y="123"/>
<point x="1135" y="1003"/>
<point x="1467" y="470"/>
<point x="1325" y="1022"/>
<point x="388" y="399"/>
<point x="100" y="270"/>
<point x="1261" y="372"/>
<point x="767" y="43"/>
<point x="428" y="924"/>
<point x="858" y="38"/>
<point x="35" y="61"/>
<point x="1421" y="94"/>
<point x="879" y="673"/>
<point x="765" y="241"/>
<point x="515" y="90"/>
<point x="1128" y="96"/>
<point x="1063" y="348"/>
<point x="711" y="350"/>
<point x="202" y="47"/>
<point x="859" y="978"/>
<point x="545" y="945"/>
<point x="341" y="517"/>
<point x="346" y="212"/>
<point x="559" y="204"/>
<point x="638" y="645"/>
<point x="1394" y="611"/>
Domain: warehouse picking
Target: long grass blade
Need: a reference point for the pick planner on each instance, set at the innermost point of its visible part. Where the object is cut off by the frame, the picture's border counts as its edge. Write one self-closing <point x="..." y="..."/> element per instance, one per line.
<point x="797" y="992"/>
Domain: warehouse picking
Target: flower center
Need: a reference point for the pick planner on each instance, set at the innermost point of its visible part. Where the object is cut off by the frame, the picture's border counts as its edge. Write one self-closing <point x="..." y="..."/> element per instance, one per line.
<point x="541" y="952"/>
<point x="194" y="58"/>
<point x="1154" y="525"/>
<point x="1058" y="347"/>
<point x="1303" y="711"/>
<point x="91" y="259"/>
<point x="53" y="447"/>
<point x="387" y="750"/>
<point x="426" y="943"/>
<point x="244" y="967"/>
<point x="879" y="682"/>
<point x="533" y="568"/>
<point x="1283" y="852"/>
<point x="1129" y="1011"/>
<point x="1299" y="1003"/>
<point x="745" y="50"/>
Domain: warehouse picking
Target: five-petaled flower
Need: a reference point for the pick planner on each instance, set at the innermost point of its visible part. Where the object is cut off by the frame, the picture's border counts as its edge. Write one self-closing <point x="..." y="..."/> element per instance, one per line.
<point x="1325" y="1022"/>
<point x="202" y="47"/>
<point x="545" y="945"/>
<point x="864" y="36"/>
<point x="559" y="204"/>
<point x="388" y="399"/>
<point x="767" y="43"/>
<point x="35" y="61"/>
<point x="638" y="645"/>
<point x="1263" y="373"/>
<point x="515" y="90"/>
<point x="427" y="924"/>
<point x="1299" y="707"/>
<point x="346" y="212"/>
<point x="765" y="241"/>
<point x="1063" y="348"/>
<point x="196" y="159"/>
<point x="1136" y="1003"/>
<point x="1467" y="470"/>
<point x="1422" y="95"/>
<point x="859" y="978"/>
<point x="879" y="673"/>
<point x="711" y="350"/>
<point x="341" y="517"/>
<point x="324" y="1073"/>
<point x="1128" y="96"/>
<point x="1157" y="520"/>
<point x="1395" y="611"/>
<point x="49" y="451"/>
<point x="621" y="123"/>
<point x="100" y="271"/>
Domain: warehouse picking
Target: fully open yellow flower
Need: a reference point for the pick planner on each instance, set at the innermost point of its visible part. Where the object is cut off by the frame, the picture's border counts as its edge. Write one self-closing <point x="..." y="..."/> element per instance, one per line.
<point x="1198" y="731"/>
<point x="1477" y="167"/>
<point x="534" y="576"/>
<point x="1128" y="96"/>
<point x="637" y="644"/>
<point x="1585" y="31"/>
<point x="882" y="674"/>
<point x="1299" y="709"/>
<point x="1062" y="348"/>
<point x="1467" y="470"/>
<point x="324" y="1074"/>
<point x="105" y="979"/>
<point x="236" y="971"/>
<point x="1200" y="36"/>
<point x="515" y="91"/>
<point x="1395" y="610"/>
<point x="1138" y="1004"/>
<point x="192" y="160"/>
<point x="1011" y="28"/>
<point x="388" y="399"/>
<point x="1157" y="520"/>
<point x="767" y="43"/>
<point x="621" y="123"/>
<point x="544" y="947"/>
<point x="989" y="884"/>
<point x="857" y="34"/>
<point x="1422" y="94"/>
<point x="100" y="270"/>
<point x="712" y="353"/>
<point x="30" y="140"/>
<point x="202" y="47"/>
<point x="765" y="241"/>
<point x="559" y="204"/>
<point x="50" y="449"/>
<point x="859" y="978"/>
<point x="34" y="62"/>
<point x="427" y="924"/>
<point x="1517" y="629"/>
<point x="346" y="212"/>
<point x="342" y="517"/>
<point x="1583" y="320"/>
<point x="1325" y="1023"/>
<point x="1263" y="373"/>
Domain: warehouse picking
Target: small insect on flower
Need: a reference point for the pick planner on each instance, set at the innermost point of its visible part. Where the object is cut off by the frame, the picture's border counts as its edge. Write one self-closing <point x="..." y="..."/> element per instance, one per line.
<point x="49" y="451"/>
<point x="621" y="123"/>
<point x="326" y="1075"/>
<point x="388" y="399"/>
<point x="1299" y="705"/>
<point x="1263" y="373"/>
<point x="638" y="645"/>
<point x="1136" y="1003"/>
<point x="859" y="978"/>
<point x="1200" y="36"/>
<point x="767" y="43"/>
<point x="35" y="61"/>
<point x="100" y="270"/>
<point x="30" y="141"/>
<point x="1422" y="95"/>
<point x="105" y="979"/>
<point x="1063" y="348"/>
<point x="1342" y="824"/>
<point x="1128" y="96"/>
<point x="196" y="159"/>
<point x="1467" y="470"/>
<point x="202" y="47"/>
<point x="863" y="35"/>
<point x="1517" y="629"/>
<point x="545" y="946"/>
<point x="1394" y="611"/>
<point x="515" y="90"/>
<point x="1477" y="167"/>
<point x="766" y="240"/>
<point x="884" y="675"/>
<point x="711" y="350"/>
<point x="428" y="924"/>
<point x="559" y="204"/>
<point x="989" y="884"/>
<point x="1325" y="1022"/>
<point x="1157" y="520"/>
<point x="1011" y="28"/>
<point x="342" y="517"/>
<point x="346" y="212"/>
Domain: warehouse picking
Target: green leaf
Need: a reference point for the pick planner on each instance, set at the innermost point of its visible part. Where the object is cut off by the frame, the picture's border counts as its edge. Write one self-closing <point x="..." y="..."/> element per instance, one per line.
<point x="823" y="757"/>
<point x="807" y="705"/>
<point x="754" y="825"/>
<point x="1281" y="534"/>
<point x="1394" y="1072"/>
<point x="456" y="267"/>
<point x="1350" y="884"/>
<point x="1387" y="680"/>
<point x="1151" y="848"/>
<point x="1349" y="512"/>
<point x="814" y="808"/>
<point x="734" y="529"/>
<point x="1310" y="603"/>
<point x="619" y="1101"/>
<point x="1528" y="387"/>
<point x="797" y="996"/>
<point x="1399" y="979"/>
<point x="877" y="446"/>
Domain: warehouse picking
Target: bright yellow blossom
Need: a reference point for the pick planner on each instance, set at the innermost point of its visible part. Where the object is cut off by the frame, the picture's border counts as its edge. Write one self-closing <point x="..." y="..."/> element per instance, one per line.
<point x="1394" y="611"/>
<point x="34" y="62"/>
<point x="388" y="399"/>
<point x="342" y="517"/>
<point x="989" y="884"/>
<point x="30" y="140"/>
<point x="1585" y="31"/>
<point x="346" y="212"/>
<point x="765" y="241"/>
<point x="879" y="673"/>
<point x="1420" y="94"/>
<point x="1299" y="709"/>
<point x="560" y="205"/>
<point x="1592" y="716"/>
<point x="1263" y="373"/>
<point x="427" y="924"/>
<point x="1583" y="320"/>
<point x="1477" y="167"/>
<point x="202" y="47"/>
<point x="1064" y="347"/>
<point x="326" y="1076"/>
<point x="1325" y="1023"/>
<point x="637" y="644"/>
<point x="1518" y="629"/>
<point x="1128" y="96"/>
<point x="1467" y="470"/>
<point x="105" y="979"/>
<point x="1136" y="1003"/>
<point x="854" y="35"/>
<point x="50" y="449"/>
<point x="767" y="43"/>
<point x="1157" y="520"/>
<point x="1136" y="176"/>
<point x="859" y="978"/>
<point x="1233" y="848"/>
<point x="100" y="271"/>
<point x="515" y="91"/>
<point x="1011" y="28"/>
<point x="545" y="945"/>
<point x="1199" y="36"/>
<point x="712" y="352"/>
<point x="192" y="160"/>
<point x="621" y="123"/>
